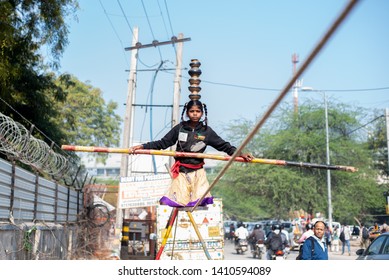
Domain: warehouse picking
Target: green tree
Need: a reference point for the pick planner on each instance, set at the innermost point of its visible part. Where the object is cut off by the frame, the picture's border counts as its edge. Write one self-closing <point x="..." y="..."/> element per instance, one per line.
<point x="85" y="118"/>
<point x="27" y="88"/>
<point x="377" y="143"/>
<point x="274" y="191"/>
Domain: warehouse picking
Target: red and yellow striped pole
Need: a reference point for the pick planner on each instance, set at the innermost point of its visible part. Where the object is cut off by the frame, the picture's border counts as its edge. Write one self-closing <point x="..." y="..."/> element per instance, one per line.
<point x="206" y="156"/>
<point x="168" y="229"/>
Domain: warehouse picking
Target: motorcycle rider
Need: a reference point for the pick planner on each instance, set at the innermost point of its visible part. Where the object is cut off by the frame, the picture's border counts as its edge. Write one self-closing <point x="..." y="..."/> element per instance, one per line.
<point x="241" y="233"/>
<point x="309" y="232"/>
<point x="232" y="232"/>
<point x="271" y="240"/>
<point x="257" y="234"/>
<point x="284" y="231"/>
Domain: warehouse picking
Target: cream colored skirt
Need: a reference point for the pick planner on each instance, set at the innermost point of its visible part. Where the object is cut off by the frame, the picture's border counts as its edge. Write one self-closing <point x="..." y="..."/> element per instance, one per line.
<point x="187" y="188"/>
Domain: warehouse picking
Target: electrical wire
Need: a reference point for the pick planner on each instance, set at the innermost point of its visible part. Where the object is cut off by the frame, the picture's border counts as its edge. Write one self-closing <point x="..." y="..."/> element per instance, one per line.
<point x="277" y="90"/>
<point x="163" y="20"/>
<point x="167" y="125"/>
<point x="144" y="64"/>
<point x="170" y="24"/>
<point x="168" y="16"/>
<point x="125" y="17"/>
<point x="353" y="90"/>
<point x="151" y="29"/>
<point x="362" y="126"/>
<point x="151" y="112"/>
<point x="116" y="33"/>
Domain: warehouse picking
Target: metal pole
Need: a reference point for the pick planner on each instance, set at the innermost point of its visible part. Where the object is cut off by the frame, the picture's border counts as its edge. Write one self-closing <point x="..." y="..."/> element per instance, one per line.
<point x="127" y="131"/>
<point x="327" y="153"/>
<point x="387" y="132"/>
<point x="177" y="91"/>
<point x="177" y="84"/>
<point x="328" y="163"/>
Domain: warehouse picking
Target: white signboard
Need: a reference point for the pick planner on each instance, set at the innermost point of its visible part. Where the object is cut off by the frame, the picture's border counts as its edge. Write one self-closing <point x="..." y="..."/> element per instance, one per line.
<point x="142" y="191"/>
<point x="187" y="245"/>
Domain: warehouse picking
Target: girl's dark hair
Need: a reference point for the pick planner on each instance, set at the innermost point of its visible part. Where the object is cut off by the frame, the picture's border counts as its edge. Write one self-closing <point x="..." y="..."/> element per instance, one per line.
<point x="202" y="107"/>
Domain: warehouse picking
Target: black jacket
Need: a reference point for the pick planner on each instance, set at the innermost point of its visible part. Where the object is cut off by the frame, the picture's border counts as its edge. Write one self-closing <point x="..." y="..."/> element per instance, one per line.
<point x="191" y="140"/>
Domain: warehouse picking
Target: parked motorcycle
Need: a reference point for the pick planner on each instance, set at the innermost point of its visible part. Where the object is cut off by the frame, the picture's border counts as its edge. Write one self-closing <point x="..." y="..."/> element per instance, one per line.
<point x="259" y="249"/>
<point x="241" y="246"/>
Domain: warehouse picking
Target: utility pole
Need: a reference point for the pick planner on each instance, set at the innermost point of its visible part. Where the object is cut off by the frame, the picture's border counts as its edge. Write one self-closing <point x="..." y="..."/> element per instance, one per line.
<point x="327" y="152"/>
<point x="177" y="89"/>
<point x="177" y="84"/>
<point x="128" y="131"/>
<point x="328" y="163"/>
<point x="387" y="133"/>
<point x="129" y="114"/>
<point x="297" y="85"/>
<point x="127" y="134"/>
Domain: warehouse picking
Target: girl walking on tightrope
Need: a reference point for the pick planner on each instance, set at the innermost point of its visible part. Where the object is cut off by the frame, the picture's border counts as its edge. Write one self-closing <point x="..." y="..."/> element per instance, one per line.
<point x="193" y="135"/>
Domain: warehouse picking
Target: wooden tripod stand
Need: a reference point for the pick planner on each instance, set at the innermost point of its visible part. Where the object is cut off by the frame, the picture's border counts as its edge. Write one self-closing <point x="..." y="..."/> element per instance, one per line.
<point x="169" y="226"/>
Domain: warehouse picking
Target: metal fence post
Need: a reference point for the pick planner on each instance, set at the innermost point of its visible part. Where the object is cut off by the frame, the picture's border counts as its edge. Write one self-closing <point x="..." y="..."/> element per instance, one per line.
<point x="13" y="174"/>
<point x="56" y="202"/>
<point x="68" y="205"/>
<point x="36" y="195"/>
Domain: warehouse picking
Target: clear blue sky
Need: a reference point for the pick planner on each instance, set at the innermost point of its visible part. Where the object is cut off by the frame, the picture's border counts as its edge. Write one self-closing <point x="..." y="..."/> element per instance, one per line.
<point x="247" y="43"/>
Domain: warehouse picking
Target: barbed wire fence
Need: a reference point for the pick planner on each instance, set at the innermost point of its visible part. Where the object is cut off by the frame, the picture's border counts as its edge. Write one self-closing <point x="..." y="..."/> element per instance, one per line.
<point x="18" y="144"/>
<point x="39" y="239"/>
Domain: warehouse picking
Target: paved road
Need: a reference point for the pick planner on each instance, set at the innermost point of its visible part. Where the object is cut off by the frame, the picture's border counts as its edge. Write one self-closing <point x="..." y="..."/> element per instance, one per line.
<point x="230" y="253"/>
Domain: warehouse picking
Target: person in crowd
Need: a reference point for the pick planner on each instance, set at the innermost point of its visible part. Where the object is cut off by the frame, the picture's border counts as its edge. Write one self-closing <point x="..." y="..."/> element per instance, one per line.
<point x="275" y="240"/>
<point x="189" y="182"/>
<point x="257" y="234"/>
<point x="308" y="232"/>
<point x="328" y="237"/>
<point x="335" y="240"/>
<point x="346" y="241"/>
<point x="384" y="227"/>
<point x="364" y="237"/>
<point x="316" y="250"/>
<point x="232" y="231"/>
<point x="355" y="231"/>
<point x="241" y="233"/>
<point x="284" y="231"/>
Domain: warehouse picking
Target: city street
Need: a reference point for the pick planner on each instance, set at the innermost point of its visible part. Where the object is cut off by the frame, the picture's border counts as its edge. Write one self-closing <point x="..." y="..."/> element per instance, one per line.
<point x="230" y="253"/>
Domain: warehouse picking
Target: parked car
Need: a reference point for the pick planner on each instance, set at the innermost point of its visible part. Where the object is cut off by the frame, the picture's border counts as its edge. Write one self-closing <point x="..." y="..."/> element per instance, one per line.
<point x="377" y="250"/>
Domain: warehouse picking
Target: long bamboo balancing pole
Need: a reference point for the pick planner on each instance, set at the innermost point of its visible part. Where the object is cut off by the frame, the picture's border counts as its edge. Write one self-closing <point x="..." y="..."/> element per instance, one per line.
<point x="92" y="149"/>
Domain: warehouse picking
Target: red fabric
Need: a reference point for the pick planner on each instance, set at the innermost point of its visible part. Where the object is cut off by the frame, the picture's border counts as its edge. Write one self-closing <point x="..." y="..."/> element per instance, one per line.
<point x="175" y="169"/>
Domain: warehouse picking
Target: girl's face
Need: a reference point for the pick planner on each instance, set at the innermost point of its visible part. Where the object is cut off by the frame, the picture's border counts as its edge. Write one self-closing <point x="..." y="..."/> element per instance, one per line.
<point x="194" y="113"/>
